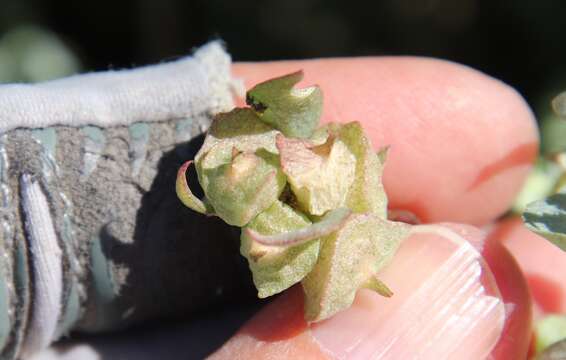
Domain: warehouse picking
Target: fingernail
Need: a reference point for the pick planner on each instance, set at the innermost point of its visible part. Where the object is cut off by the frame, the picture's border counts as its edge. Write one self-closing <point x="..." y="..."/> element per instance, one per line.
<point x="445" y="305"/>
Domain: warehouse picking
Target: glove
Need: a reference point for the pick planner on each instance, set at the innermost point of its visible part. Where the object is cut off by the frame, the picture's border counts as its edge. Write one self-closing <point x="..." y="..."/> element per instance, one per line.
<point x="93" y="236"/>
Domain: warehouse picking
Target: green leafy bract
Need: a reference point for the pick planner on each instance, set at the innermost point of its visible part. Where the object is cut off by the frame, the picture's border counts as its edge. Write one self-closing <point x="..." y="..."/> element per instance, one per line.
<point x="320" y="176"/>
<point x="186" y="195"/>
<point x="367" y="193"/>
<point x="350" y="259"/>
<point x="277" y="268"/>
<point x="296" y="112"/>
<point x="310" y="201"/>
<point x="241" y="189"/>
<point x="240" y="129"/>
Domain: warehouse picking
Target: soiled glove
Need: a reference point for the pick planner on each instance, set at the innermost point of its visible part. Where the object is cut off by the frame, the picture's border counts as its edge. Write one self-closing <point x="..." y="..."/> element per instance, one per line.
<point x="93" y="235"/>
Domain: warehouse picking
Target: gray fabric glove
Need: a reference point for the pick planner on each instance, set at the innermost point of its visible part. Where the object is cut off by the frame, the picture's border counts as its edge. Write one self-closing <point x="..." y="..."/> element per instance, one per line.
<point x="93" y="236"/>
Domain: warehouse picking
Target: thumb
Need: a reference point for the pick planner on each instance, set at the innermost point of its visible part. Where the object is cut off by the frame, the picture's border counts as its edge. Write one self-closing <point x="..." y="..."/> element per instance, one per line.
<point x="446" y="304"/>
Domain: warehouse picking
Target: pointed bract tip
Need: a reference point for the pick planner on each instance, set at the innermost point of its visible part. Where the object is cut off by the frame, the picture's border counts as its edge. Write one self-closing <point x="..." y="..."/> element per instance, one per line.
<point x="185" y="194"/>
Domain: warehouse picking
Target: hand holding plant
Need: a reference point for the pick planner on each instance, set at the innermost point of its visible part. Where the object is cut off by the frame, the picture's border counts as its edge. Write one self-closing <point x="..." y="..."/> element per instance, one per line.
<point x="444" y="125"/>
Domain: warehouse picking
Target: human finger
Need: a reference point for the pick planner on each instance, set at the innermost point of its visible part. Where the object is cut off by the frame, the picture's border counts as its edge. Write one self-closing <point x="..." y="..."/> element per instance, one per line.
<point x="541" y="262"/>
<point x="447" y="303"/>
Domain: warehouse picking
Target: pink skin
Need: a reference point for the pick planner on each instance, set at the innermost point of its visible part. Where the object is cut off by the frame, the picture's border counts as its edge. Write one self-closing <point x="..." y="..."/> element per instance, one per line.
<point x="541" y="262"/>
<point x="500" y="328"/>
<point x="461" y="146"/>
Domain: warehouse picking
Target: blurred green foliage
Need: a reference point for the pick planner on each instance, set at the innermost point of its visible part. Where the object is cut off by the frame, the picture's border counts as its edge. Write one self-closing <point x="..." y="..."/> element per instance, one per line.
<point x="32" y="54"/>
<point x="549" y="330"/>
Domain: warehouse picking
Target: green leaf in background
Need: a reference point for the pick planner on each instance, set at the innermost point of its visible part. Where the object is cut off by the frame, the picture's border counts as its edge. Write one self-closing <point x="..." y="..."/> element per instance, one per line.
<point x="549" y="330"/>
<point x="547" y="218"/>
<point x="559" y="104"/>
<point x="540" y="183"/>
<point x="553" y="125"/>
<point x="30" y="53"/>
<point x="553" y="134"/>
<point x="554" y="352"/>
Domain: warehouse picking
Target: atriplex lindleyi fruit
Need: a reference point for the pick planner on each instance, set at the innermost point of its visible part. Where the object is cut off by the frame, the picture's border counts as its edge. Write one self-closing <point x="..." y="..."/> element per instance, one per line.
<point x="309" y="200"/>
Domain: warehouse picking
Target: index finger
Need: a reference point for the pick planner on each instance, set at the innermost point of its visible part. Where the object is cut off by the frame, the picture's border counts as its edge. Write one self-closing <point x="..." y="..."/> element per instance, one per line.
<point x="461" y="142"/>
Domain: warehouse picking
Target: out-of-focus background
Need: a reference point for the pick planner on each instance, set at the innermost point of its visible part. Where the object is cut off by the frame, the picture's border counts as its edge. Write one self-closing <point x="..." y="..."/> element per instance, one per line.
<point x="520" y="41"/>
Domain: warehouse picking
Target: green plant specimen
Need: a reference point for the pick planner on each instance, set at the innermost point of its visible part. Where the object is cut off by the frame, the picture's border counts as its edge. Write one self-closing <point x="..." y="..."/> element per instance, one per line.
<point x="309" y="199"/>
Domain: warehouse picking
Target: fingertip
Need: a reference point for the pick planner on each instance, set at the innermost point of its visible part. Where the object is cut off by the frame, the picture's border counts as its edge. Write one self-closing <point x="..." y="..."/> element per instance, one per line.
<point x="278" y="331"/>
<point x="541" y="262"/>
<point x="514" y="289"/>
